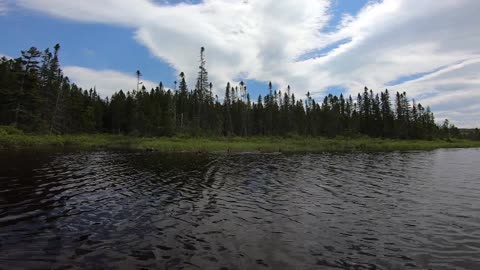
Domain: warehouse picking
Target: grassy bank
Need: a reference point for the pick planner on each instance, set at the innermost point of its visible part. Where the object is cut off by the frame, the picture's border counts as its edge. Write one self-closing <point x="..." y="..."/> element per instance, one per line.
<point x="11" y="138"/>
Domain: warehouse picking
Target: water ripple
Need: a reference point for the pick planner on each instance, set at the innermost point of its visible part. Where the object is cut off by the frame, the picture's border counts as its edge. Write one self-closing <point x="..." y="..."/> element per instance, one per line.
<point x="134" y="210"/>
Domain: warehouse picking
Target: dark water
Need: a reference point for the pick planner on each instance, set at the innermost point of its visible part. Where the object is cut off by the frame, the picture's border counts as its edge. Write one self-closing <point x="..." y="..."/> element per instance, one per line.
<point x="120" y="210"/>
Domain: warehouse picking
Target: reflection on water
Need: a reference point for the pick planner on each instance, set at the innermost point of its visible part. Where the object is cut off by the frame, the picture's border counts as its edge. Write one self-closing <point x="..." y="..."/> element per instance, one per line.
<point x="135" y="210"/>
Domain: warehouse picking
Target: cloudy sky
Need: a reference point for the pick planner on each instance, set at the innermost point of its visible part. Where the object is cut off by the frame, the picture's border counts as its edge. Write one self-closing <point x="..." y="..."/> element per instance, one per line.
<point x="430" y="49"/>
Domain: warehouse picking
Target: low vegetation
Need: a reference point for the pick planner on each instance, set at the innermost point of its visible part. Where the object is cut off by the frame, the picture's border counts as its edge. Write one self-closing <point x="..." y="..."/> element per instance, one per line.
<point x="12" y="138"/>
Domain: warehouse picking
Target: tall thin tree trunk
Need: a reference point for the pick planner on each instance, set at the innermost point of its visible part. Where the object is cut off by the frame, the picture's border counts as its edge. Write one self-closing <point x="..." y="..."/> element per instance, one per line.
<point x="17" y="110"/>
<point x="56" y="108"/>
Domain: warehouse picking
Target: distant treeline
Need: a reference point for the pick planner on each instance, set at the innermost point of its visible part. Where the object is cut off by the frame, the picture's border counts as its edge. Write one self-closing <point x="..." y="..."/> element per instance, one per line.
<point x="36" y="97"/>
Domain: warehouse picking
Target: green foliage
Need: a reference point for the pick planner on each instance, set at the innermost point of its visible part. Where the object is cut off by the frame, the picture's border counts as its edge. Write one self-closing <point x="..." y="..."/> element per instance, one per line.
<point x="35" y="96"/>
<point x="10" y="131"/>
<point x="297" y="144"/>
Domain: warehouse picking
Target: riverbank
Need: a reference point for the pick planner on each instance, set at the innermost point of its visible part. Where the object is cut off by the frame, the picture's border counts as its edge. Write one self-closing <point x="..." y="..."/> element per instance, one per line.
<point x="19" y="140"/>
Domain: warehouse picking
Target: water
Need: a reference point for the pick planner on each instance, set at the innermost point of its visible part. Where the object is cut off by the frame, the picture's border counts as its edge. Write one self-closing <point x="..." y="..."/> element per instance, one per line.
<point x="135" y="210"/>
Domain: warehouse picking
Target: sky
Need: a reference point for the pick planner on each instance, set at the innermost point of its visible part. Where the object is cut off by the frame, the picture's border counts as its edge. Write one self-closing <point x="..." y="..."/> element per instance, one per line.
<point x="429" y="49"/>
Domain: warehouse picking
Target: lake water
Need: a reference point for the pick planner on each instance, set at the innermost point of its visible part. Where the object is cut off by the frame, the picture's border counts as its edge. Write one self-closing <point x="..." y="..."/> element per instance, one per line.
<point x="137" y="210"/>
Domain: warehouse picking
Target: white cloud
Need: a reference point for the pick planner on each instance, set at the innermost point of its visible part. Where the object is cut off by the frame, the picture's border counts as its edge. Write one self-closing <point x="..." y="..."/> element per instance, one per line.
<point x="3" y="7"/>
<point x="6" y="56"/>
<point x="106" y="82"/>
<point x="253" y="38"/>
<point x="452" y="92"/>
<point x="261" y="39"/>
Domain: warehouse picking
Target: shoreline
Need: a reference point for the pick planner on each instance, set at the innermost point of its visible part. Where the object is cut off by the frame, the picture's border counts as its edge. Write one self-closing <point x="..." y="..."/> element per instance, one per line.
<point x="224" y="144"/>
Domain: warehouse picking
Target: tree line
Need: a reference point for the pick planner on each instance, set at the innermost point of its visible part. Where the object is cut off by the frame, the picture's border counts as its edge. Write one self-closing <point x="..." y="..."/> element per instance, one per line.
<point x="36" y="96"/>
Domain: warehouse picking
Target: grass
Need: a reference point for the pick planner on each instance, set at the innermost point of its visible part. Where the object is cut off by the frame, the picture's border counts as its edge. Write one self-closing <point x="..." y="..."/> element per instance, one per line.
<point x="11" y="138"/>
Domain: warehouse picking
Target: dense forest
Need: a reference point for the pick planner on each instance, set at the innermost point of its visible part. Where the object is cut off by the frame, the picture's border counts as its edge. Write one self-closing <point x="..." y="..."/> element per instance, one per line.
<point x="35" y="96"/>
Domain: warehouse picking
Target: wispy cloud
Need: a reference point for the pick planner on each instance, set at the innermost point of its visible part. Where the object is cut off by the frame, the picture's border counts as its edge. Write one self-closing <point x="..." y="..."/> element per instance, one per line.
<point x="451" y="91"/>
<point x="88" y="52"/>
<point x="283" y="40"/>
<point x="106" y="82"/>
<point x="4" y="7"/>
<point x="6" y="56"/>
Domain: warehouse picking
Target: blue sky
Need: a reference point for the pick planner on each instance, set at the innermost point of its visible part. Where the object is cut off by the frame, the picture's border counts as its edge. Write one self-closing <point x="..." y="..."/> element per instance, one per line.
<point x="322" y="46"/>
<point x="100" y="46"/>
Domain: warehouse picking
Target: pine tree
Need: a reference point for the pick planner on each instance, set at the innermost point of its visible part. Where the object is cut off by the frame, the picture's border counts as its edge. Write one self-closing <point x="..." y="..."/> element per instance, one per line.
<point x="202" y="80"/>
<point x="139" y="75"/>
<point x="228" y="126"/>
<point x="35" y="96"/>
<point x="28" y="97"/>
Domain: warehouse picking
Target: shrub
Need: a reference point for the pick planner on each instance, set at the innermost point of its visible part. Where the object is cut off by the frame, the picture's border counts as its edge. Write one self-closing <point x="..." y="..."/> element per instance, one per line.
<point x="10" y="130"/>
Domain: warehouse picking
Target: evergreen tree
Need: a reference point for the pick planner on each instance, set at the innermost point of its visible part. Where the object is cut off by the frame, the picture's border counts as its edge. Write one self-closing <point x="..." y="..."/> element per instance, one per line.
<point x="36" y="96"/>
